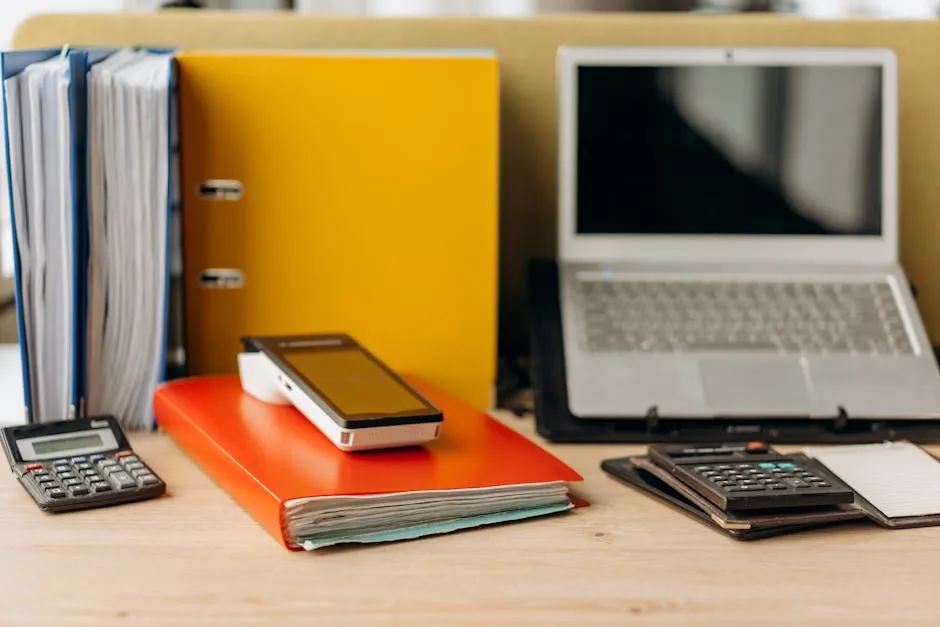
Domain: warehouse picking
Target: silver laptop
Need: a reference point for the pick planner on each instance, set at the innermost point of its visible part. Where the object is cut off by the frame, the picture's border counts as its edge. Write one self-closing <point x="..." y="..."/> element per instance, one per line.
<point x="728" y="236"/>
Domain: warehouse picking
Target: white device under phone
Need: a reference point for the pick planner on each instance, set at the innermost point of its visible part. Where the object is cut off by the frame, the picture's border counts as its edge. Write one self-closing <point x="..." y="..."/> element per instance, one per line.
<point x="353" y="398"/>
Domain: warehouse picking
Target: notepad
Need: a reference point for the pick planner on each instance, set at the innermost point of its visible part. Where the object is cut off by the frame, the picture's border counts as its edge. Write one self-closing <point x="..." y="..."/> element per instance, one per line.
<point x="900" y="479"/>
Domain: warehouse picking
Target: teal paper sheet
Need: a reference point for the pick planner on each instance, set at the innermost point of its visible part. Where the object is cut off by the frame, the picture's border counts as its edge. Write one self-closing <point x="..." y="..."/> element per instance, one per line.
<point x="447" y="526"/>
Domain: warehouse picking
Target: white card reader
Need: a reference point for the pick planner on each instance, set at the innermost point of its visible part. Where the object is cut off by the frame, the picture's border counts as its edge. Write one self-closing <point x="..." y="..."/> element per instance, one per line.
<point x="353" y="398"/>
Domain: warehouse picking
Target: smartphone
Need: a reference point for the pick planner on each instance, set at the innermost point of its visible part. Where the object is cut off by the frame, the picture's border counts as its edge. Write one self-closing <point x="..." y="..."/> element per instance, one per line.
<point x="354" y="398"/>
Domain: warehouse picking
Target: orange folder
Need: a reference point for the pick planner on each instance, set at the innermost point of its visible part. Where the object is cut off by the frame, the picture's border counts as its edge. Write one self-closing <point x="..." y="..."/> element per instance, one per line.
<point x="265" y="455"/>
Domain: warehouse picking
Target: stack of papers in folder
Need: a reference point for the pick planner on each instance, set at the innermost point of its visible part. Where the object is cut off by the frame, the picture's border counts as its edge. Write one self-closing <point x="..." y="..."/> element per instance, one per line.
<point x="308" y="494"/>
<point x="128" y="200"/>
<point x="90" y="144"/>
<point x="40" y="161"/>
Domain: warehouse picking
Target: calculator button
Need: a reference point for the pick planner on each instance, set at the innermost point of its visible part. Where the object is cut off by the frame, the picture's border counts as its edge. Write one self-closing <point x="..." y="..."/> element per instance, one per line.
<point x="767" y="465"/>
<point x="83" y="466"/>
<point x="66" y="475"/>
<point x="139" y="472"/>
<point x="777" y="486"/>
<point x="702" y="468"/>
<point x="61" y="462"/>
<point x="55" y="493"/>
<point x="129" y="459"/>
<point x="33" y="467"/>
<point x="78" y="490"/>
<point x="123" y="454"/>
<point x="134" y="466"/>
<point x="101" y="486"/>
<point x="123" y="480"/>
<point x="94" y="459"/>
<point x="89" y="472"/>
<point x="796" y="483"/>
<point x="821" y="484"/>
<point x="71" y="482"/>
<point x="148" y="479"/>
<point x="110" y="470"/>
<point x="79" y="460"/>
<point x="786" y="465"/>
<point x="723" y="467"/>
<point x="45" y="481"/>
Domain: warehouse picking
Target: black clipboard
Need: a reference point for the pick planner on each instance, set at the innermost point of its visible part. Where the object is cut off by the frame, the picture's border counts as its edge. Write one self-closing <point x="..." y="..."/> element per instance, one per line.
<point x="556" y="423"/>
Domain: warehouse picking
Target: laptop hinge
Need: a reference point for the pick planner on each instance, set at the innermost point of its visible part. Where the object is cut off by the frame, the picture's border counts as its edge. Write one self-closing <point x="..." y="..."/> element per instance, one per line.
<point x="842" y="419"/>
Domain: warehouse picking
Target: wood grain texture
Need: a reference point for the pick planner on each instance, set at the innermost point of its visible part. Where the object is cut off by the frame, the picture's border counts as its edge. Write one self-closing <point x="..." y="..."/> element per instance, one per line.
<point x="195" y="558"/>
<point x="527" y="50"/>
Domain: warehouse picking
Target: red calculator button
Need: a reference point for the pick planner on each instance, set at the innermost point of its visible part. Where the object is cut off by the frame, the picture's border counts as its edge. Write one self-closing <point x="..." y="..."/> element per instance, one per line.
<point x="123" y="454"/>
<point x="33" y="467"/>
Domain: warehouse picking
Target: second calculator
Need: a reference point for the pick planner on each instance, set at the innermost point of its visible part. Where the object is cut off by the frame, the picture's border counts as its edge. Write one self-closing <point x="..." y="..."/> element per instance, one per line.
<point x="752" y="476"/>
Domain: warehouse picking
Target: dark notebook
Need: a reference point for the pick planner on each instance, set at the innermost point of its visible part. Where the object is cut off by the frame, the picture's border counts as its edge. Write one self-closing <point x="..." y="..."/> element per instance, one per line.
<point x="642" y="474"/>
<point x="895" y="486"/>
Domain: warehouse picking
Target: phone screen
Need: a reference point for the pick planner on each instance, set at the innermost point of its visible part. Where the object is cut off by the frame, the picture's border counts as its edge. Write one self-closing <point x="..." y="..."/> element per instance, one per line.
<point x="354" y="384"/>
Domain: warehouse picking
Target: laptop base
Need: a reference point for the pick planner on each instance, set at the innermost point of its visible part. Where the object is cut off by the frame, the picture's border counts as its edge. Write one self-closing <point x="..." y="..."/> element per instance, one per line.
<point x="556" y="423"/>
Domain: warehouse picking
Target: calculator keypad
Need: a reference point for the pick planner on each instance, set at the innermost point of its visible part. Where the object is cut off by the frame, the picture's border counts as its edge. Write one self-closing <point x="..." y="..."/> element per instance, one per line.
<point x="755" y="477"/>
<point x="81" y="476"/>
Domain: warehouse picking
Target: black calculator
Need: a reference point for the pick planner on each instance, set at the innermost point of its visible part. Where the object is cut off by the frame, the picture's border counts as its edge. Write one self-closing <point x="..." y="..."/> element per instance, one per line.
<point x="78" y="464"/>
<point x="752" y="476"/>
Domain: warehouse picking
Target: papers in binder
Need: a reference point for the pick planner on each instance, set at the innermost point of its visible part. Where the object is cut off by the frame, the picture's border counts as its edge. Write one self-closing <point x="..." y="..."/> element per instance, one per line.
<point x="90" y="168"/>
<point x="128" y="116"/>
<point x="324" y="521"/>
<point x="39" y="129"/>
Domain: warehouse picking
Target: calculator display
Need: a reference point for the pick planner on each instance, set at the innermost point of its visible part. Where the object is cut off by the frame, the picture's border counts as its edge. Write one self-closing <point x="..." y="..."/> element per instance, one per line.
<point x="83" y="442"/>
<point x="67" y="444"/>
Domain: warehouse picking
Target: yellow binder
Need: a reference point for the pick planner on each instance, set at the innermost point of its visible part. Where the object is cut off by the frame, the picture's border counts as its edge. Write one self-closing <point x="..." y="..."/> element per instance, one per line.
<point x="368" y="204"/>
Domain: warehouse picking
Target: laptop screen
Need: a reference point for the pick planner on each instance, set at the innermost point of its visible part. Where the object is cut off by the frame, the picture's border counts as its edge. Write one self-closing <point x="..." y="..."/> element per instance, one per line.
<point x="727" y="150"/>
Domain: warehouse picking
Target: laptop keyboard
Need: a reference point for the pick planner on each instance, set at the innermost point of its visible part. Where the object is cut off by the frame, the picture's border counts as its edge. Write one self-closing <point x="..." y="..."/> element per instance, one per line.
<point x="806" y="318"/>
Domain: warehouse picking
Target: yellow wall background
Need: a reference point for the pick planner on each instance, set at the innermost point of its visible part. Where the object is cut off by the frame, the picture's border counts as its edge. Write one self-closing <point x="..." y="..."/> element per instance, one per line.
<point x="526" y="48"/>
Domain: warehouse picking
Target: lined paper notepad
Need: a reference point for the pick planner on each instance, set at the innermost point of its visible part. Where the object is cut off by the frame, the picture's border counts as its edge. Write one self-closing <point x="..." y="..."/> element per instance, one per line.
<point x="900" y="479"/>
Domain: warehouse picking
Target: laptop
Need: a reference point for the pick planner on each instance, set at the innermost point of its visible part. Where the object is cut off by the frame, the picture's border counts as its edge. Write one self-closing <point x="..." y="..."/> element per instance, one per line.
<point x="728" y="236"/>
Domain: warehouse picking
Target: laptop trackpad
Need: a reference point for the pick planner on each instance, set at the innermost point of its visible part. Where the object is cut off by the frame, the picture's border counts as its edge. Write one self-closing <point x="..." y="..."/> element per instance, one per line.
<point x="759" y="387"/>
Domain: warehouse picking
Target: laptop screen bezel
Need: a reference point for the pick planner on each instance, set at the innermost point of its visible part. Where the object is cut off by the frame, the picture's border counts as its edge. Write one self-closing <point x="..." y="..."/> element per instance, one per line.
<point x="573" y="246"/>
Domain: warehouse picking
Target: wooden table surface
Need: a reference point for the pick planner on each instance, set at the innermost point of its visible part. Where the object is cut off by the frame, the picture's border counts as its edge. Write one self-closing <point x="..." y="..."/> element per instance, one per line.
<point x="195" y="558"/>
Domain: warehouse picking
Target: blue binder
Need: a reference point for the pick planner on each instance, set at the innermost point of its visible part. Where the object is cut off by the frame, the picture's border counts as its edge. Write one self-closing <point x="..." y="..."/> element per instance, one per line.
<point x="80" y="61"/>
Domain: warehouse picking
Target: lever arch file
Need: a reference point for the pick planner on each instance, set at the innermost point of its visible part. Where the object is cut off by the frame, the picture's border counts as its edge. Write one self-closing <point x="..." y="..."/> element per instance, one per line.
<point x="42" y="174"/>
<point x="90" y="162"/>
<point x="344" y="191"/>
